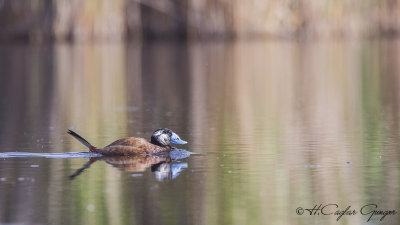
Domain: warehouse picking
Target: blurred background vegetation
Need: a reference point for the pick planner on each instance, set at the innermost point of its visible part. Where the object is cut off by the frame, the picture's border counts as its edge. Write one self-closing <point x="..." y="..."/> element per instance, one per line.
<point x="38" y="20"/>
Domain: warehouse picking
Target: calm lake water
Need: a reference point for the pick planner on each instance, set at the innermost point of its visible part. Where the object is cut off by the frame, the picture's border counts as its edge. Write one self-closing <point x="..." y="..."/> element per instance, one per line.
<point x="277" y="125"/>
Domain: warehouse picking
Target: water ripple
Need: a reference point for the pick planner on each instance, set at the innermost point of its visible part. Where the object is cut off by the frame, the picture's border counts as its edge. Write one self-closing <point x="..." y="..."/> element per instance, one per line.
<point x="50" y="155"/>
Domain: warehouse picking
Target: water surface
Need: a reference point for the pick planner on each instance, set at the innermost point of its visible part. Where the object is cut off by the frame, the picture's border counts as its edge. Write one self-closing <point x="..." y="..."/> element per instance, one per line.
<point x="277" y="125"/>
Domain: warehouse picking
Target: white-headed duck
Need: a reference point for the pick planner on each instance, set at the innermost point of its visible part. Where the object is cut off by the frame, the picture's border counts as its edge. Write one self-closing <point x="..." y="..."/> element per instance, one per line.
<point x="160" y="142"/>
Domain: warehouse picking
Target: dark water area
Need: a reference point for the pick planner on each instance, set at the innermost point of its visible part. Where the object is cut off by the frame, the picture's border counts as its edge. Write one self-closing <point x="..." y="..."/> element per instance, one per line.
<point x="275" y="126"/>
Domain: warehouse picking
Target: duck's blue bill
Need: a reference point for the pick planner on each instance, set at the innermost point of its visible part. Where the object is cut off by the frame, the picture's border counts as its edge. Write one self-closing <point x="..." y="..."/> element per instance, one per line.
<point x="177" y="140"/>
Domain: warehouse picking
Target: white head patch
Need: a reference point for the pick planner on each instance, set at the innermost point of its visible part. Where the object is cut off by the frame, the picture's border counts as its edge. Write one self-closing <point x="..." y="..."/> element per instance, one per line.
<point x="163" y="139"/>
<point x="159" y="132"/>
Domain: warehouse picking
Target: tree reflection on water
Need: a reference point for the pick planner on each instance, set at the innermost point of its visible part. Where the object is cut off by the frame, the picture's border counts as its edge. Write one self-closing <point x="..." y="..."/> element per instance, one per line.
<point x="259" y="112"/>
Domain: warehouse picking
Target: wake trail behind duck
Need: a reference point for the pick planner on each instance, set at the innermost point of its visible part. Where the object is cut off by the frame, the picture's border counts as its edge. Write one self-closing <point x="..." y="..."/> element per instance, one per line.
<point x="63" y="155"/>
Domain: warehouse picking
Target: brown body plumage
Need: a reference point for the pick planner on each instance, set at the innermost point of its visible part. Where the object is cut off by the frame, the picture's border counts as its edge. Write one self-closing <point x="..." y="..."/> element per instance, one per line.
<point x="131" y="146"/>
<point x="159" y="143"/>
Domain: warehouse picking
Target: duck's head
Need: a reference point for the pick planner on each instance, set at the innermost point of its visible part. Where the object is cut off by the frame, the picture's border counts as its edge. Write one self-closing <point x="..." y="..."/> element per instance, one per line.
<point x="165" y="136"/>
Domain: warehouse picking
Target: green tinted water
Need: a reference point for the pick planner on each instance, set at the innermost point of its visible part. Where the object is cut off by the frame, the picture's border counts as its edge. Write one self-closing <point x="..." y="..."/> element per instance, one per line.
<point x="279" y="125"/>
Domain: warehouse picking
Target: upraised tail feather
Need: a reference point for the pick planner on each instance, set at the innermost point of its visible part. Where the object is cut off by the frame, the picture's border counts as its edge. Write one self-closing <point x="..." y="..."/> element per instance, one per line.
<point x="82" y="140"/>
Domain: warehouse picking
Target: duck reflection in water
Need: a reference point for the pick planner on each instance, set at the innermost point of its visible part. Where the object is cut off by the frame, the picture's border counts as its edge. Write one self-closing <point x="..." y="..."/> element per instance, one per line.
<point x="167" y="171"/>
<point x="164" y="166"/>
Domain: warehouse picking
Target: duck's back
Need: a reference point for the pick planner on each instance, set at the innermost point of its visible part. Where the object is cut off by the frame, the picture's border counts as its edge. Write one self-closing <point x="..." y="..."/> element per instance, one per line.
<point x="131" y="146"/>
<point x="130" y="141"/>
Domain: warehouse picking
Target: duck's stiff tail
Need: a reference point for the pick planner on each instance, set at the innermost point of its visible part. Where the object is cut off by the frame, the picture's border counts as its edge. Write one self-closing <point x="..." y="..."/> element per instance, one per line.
<point x="82" y="140"/>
